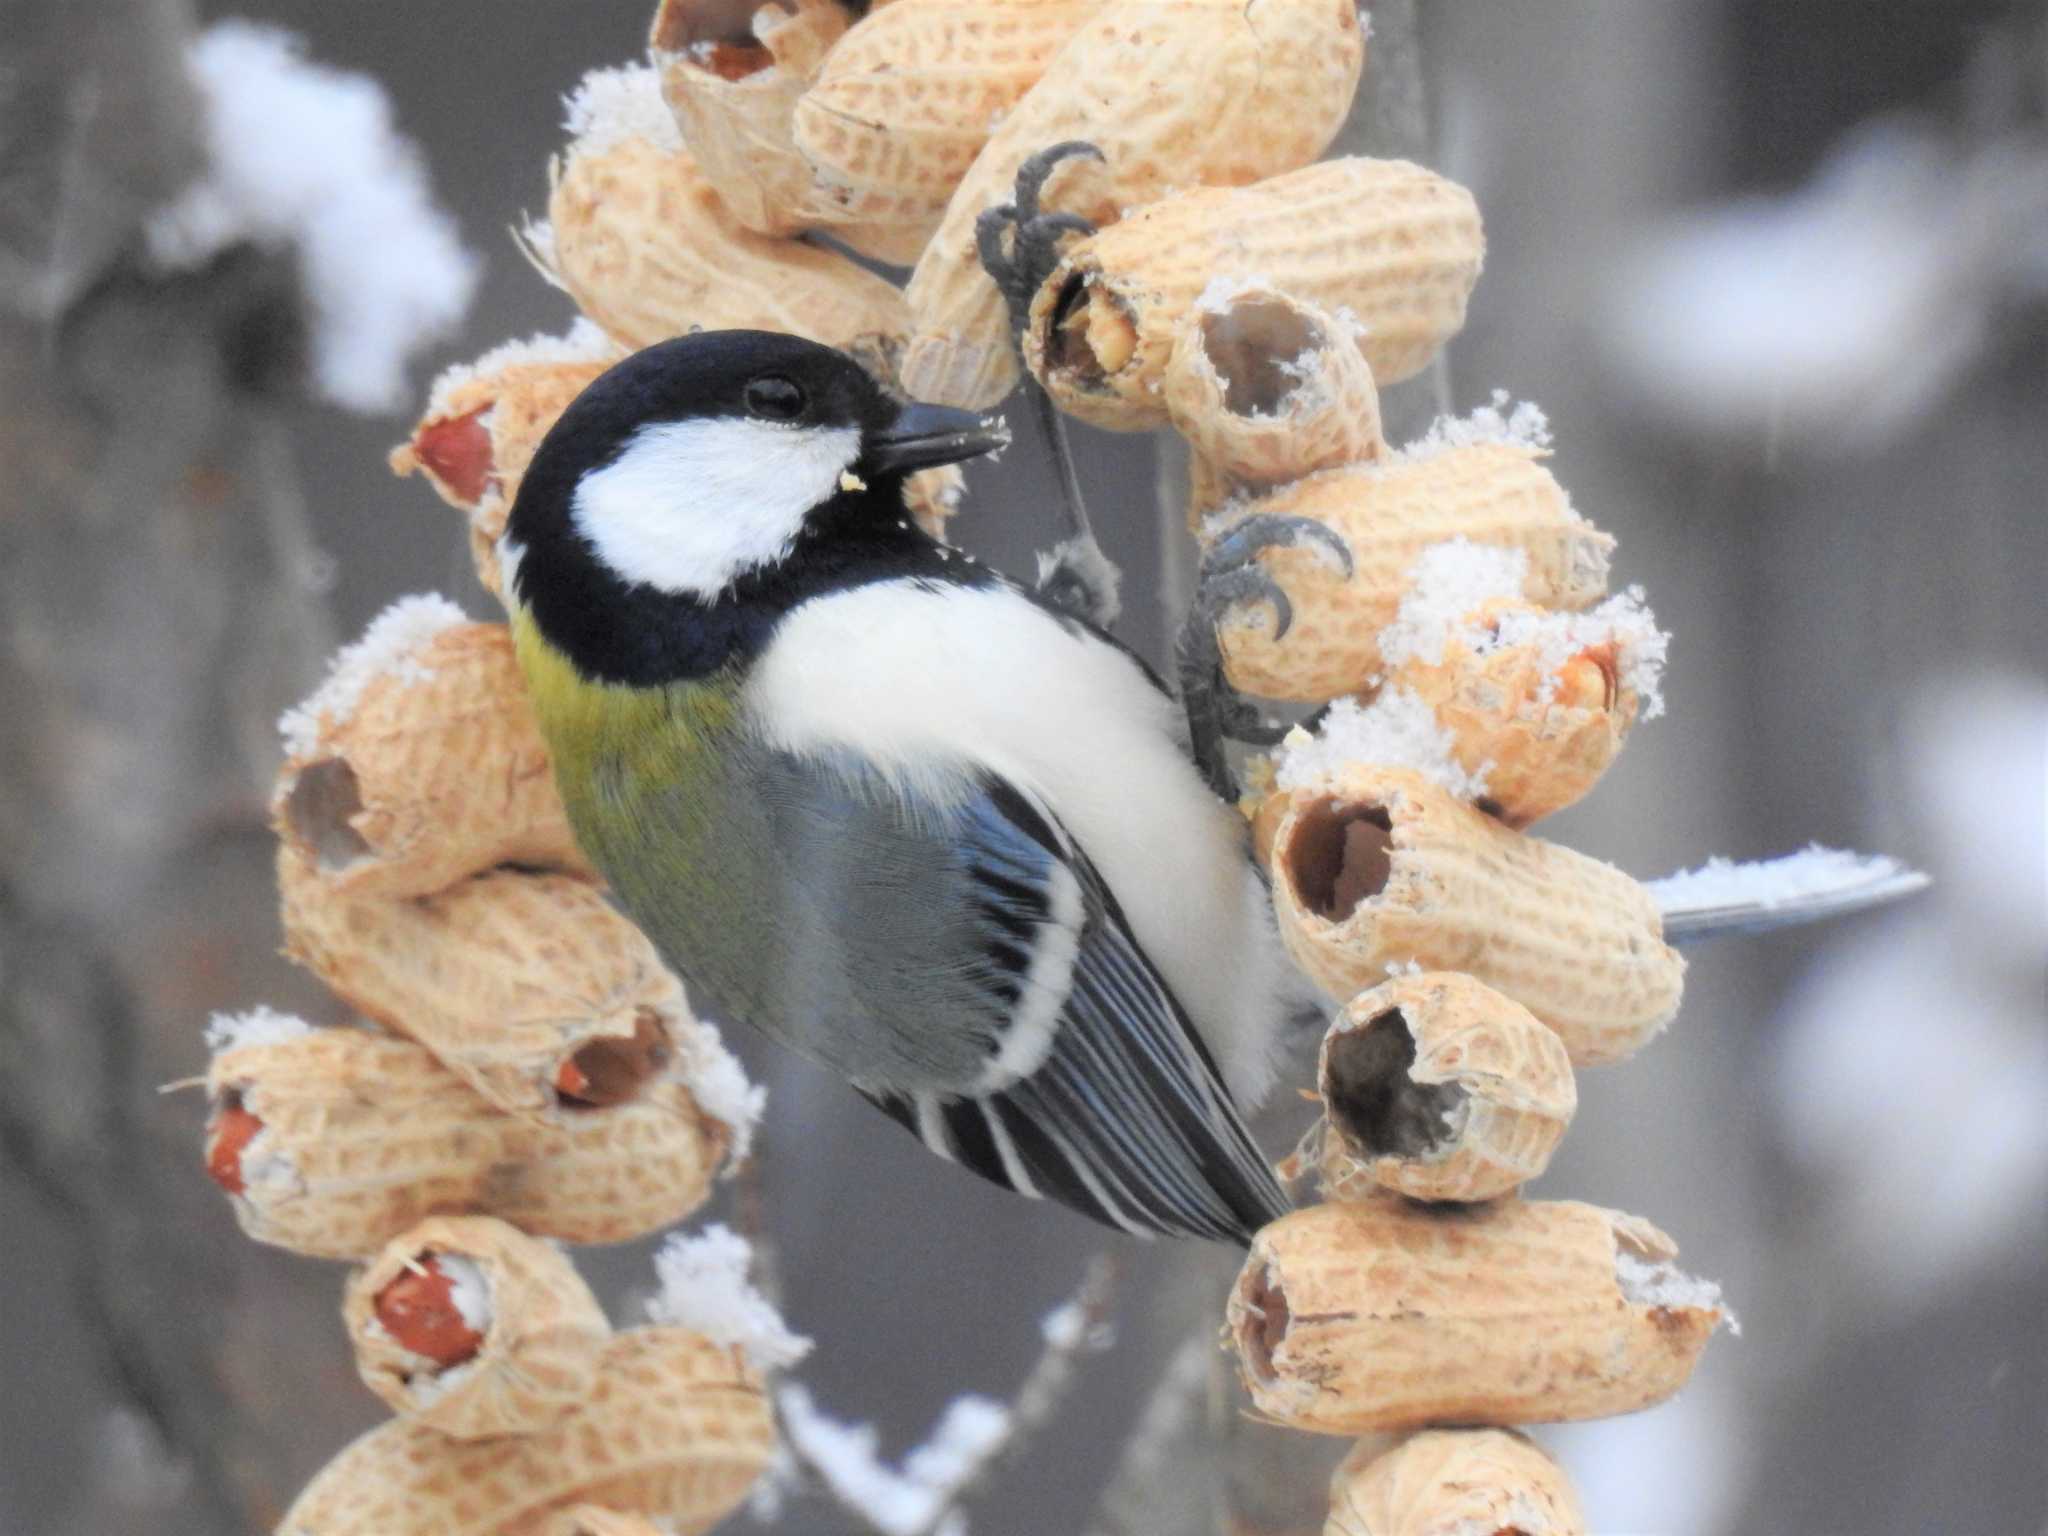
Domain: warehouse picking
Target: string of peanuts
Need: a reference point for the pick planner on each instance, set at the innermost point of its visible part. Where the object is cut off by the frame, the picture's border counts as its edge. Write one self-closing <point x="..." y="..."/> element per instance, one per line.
<point x="532" y="1071"/>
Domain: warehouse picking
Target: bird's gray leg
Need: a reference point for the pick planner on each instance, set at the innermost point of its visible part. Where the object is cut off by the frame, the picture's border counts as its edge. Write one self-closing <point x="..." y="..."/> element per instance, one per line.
<point x="1019" y="246"/>
<point x="1229" y="575"/>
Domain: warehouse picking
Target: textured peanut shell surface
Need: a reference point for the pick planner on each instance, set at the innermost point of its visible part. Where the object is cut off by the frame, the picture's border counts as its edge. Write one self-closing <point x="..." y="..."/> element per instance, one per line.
<point x="364" y="1134"/>
<point x="648" y="250"/>
<point x="1396" y="246"/>
<point x="1453" y="1482"/>
<point x="1440" y="1088"/>
<point x="506" y="976"/>
<point x="908" y="97"/>
<point x="538" y="1358"/>
<point x="435" y="774"/>
<point x="474" y="444"/>
<point x="1389" y="513"/>
<point x="675" y="1430"/>
<point x="591" y="1520"/>
<point x="738" y="120"/>
<point x="1386" y="1315"/>
<point x="1175" y="93"/>
<point x="1544" y="735"/>
<point x="1375" y="869"/>
<point x="1267" y="387"/>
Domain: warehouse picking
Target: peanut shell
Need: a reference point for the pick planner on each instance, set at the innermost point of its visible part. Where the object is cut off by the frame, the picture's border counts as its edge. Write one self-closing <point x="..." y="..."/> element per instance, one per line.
<point x="1386" y="1315"/>
<point x="1396" y="247"/>
<point x="1544" y="734"/>
<point x="1175" y="93"/>
<point x="591" y="1520"/>
<point x="1267" y="388"/>
<point x="648" y="250"/>
<point x="1437" y="1087"/>
<point x="1377" y="869"/>
<point x="908" y="97"/>
<point x="1453" y="1482"/>
<point x="359" y="1135"/>
<point x="438" y="772"/>
<point x="676" y="1430"/>
<point x="481" y="429"/>
<point x="1389" y="513"/>
<point x="538" y="1356"/>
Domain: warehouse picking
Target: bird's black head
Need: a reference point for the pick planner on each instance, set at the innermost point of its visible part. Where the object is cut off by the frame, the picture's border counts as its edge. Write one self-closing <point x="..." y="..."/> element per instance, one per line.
<point x="713" y="466"/>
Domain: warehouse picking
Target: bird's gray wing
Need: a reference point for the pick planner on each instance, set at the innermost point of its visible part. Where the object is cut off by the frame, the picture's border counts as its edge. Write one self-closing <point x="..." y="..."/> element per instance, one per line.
<point x="1099" y="1093"/>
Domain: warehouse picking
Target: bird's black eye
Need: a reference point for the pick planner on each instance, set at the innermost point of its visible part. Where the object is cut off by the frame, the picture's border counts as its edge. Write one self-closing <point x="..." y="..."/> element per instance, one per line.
<point x="774" y="399"/>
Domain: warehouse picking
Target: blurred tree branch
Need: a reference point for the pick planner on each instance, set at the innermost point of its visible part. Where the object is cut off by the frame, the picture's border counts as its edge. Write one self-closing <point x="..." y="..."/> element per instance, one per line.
<point x="153" y="565"/>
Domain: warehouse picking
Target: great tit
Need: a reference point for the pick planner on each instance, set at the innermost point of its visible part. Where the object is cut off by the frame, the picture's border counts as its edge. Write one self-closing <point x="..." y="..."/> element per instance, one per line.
<point x="881" y="802"/>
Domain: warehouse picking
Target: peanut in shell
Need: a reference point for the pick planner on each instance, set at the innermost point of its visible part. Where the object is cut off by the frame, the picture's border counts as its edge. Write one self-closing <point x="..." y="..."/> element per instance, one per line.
<point x="1544" y="734"/>
<point x="1387" y="1315"/>
<point x="908" y="97"/>
<point x="536" y="1359"/>
<point x="1392" y="246"/>
<point x="1266" y="388"/>
<point x="482" y="426"/>
<point x="1175" y="93"/>
<point x="1437" y="1087"/>
<point x="648" y="249"/>
<point x="529" y="986"/>
<point x="1389" y="512"/>
<point x="437" y="772"/>
<point x="349" y="1136"/>
<point x="675" y="1431"/>
<point x="1378" y="869"/>
<point x="593" y="1520"/>
<point x="1453" y="1482"/>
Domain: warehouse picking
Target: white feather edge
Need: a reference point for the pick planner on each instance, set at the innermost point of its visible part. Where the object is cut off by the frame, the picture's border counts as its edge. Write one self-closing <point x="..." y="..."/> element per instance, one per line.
<point x="922" y="680"/>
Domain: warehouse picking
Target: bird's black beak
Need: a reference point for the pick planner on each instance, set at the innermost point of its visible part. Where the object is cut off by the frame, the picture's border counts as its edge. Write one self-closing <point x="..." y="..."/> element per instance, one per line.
<point x="924" y="435"/>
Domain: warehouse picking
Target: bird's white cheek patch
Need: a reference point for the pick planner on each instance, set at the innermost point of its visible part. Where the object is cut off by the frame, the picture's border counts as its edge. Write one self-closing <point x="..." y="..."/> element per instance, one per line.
<point x="690" y="506"/>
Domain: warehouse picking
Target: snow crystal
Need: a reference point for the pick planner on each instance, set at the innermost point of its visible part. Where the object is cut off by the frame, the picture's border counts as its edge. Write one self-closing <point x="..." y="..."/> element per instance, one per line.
<point x="1623" y="621"/>
<point x="1660" y="1283"/>
<point x="704" y="1288"/>
<point x="718" y="1083"/>
<point x="467" y="1289"/>
<point x="583" y="342"/>
<point x="1503" y="421"/>
<point x="612" y="105"/>
<point x="258" y="1026"/>
<point x="1397" y="730"/>
<point x="896" y="1503"/>
<point x="1446" y="584"/>
<point x="303" y="155"/>
<point x="1766" y="883"/>
<point x="386" y="650"/>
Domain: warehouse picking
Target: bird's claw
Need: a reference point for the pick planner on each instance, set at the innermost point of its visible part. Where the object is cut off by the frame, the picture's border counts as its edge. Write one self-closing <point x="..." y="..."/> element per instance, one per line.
<point x="1229" y="577"/>
<point x="1020" y="263"/>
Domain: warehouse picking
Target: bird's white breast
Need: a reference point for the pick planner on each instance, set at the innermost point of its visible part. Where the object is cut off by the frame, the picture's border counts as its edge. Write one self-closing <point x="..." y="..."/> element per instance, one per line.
<point x="924" y="680"/>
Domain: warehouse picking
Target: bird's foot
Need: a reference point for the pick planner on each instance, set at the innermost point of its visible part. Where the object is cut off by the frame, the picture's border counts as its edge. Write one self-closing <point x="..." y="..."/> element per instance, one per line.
<point x="1230" y="576"/>
<point x="1019" y="243"/>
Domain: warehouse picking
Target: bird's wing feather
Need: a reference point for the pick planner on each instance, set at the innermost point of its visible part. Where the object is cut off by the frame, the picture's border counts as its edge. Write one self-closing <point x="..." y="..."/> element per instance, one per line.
<point x="1097" y="1092"/>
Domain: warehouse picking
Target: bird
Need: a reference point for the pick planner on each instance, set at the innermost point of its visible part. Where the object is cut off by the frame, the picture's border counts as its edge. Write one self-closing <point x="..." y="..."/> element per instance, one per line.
<point x="884" y="804"/>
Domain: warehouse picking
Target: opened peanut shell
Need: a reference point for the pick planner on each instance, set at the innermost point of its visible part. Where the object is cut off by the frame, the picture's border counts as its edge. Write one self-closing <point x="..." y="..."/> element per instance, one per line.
<point x="676" y="1430"/>
<point x="1378" y="869"/>
<point x="436" y="772"/>
<point x="334" y="1142"/>
<point x="1394" y="246"/>
<point x="1437" y="1087"/>
<point x="1389" y="512"/>
<point x="466" y="1324"/>
<point x="1453" y="1482"/>
<point x="1174" y="93"/>
<point x="1267" y="387"/>
<point x="1387" y="1315"/>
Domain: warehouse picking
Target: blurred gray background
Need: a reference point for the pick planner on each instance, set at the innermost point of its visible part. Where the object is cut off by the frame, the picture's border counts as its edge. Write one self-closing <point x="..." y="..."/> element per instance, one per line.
<point x="1818" y="426"/>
